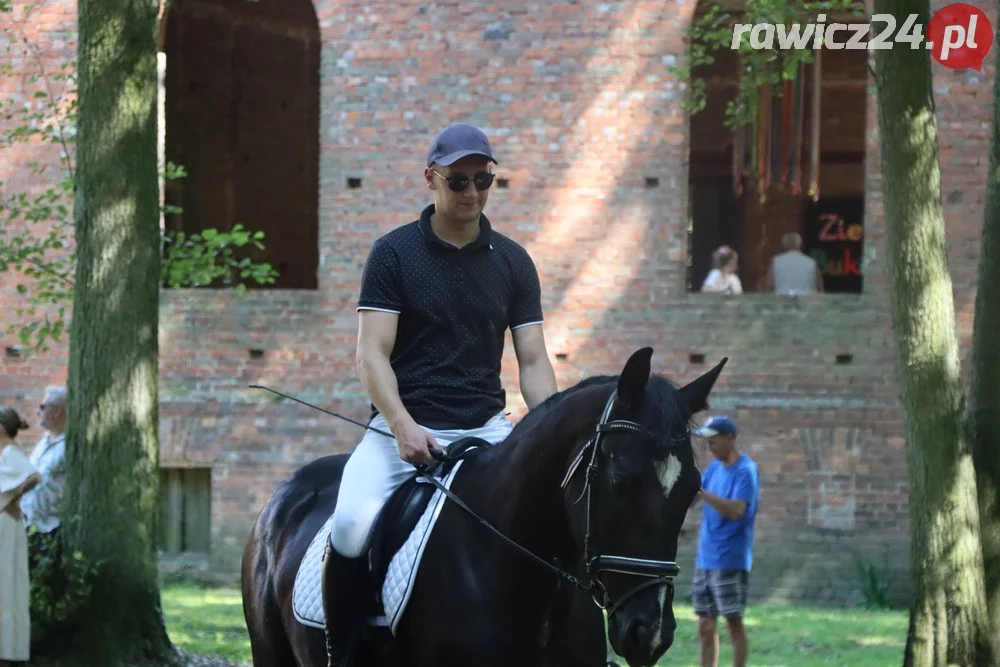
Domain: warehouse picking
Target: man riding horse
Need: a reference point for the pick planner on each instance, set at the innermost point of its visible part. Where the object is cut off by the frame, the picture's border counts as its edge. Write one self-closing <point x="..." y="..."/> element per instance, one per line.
<point x="437" y="296"/>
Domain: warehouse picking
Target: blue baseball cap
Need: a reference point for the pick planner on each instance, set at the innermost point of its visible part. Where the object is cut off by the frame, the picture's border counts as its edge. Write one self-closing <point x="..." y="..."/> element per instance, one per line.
<point x="456" y="142"/>
<point x="718" y="425"/>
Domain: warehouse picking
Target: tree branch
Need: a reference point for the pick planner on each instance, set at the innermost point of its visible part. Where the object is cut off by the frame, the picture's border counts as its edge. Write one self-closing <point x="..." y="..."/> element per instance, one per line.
<point x="60" y="129"/>
<point x="48" y="269"/>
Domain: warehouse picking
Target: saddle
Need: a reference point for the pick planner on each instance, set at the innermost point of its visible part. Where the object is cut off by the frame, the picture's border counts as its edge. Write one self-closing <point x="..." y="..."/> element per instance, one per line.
<point x="399" y="533"/>
<point x="401" y="512"/>
<point x="406" y="505"/>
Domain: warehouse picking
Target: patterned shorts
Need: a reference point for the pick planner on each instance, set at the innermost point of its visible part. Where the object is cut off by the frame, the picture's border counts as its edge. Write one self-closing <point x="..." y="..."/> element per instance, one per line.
<point x="720" y="592"/>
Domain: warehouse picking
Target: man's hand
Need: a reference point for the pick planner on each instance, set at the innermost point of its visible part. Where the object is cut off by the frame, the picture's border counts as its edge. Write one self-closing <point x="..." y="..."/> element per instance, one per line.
<point x="414" y="443"/>
<point x="727" y="507"/>
<point x="14" y="509"/>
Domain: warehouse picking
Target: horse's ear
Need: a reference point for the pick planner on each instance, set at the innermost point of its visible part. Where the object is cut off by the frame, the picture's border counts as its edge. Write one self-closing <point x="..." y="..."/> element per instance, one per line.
<point x="632" y="382"/>
<point x="695" y="394"/>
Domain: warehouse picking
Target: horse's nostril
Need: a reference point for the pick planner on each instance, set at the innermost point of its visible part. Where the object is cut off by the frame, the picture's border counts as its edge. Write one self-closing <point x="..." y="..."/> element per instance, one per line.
<point x="639" y="632"/>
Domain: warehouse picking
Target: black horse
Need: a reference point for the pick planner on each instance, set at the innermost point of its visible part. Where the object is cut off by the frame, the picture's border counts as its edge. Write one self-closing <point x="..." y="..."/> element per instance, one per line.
<point x="589" y="492"/>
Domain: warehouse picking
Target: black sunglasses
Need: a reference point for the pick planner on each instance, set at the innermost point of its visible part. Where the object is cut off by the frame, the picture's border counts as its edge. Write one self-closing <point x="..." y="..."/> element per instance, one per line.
<point x="459" y="182"/>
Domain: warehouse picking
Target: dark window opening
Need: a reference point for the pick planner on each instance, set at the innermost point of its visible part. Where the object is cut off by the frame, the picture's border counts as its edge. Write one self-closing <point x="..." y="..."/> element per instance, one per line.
<point x="724" y="208"/>
<point x="185" y="510"/>
<point x="242" y="119"/>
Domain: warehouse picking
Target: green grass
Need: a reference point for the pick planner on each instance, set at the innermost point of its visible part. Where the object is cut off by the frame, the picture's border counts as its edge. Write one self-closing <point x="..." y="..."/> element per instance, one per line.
<point x="794" y="636"/>
<point x="206" y="620"/>
<point x="210" y="621"/>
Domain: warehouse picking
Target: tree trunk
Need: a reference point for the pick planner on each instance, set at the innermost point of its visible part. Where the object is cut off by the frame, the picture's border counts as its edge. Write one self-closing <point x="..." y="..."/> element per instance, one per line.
<point x="948" y="621"/>
<point x="112" y="432"/>
<point x="984" y="417"/>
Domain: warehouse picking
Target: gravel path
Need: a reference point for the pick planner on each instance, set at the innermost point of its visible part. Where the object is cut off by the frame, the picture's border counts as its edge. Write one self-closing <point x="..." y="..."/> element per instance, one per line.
<point x="188" y="659"/>
<point x="197" y="660"/>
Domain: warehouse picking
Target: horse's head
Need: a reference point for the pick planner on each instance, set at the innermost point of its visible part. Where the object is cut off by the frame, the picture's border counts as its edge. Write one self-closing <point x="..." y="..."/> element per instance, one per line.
<point x="642" y="480"/>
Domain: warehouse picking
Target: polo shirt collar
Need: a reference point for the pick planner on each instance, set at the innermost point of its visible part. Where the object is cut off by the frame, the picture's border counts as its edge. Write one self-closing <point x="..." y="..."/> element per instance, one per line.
<point x="481" y="242"/>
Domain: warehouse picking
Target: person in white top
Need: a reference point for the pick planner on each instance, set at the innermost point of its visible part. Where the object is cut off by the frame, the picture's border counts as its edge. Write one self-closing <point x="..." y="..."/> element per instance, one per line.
<point x="722" y="278"/>
<point x="17" y="477"/>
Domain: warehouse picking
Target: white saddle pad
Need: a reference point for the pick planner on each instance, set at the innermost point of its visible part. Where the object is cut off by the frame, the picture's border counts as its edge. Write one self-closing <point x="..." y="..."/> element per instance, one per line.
<point x="307" y="591"/>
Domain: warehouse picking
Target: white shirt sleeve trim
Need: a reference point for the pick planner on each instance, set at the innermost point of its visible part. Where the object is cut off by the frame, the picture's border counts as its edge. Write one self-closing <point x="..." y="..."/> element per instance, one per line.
<point x="526" y="324"/>
<point x="381" y="310"/>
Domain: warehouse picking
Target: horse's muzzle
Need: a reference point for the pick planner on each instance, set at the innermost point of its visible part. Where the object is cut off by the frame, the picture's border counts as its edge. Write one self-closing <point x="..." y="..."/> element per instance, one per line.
<point x="642" y="641"/>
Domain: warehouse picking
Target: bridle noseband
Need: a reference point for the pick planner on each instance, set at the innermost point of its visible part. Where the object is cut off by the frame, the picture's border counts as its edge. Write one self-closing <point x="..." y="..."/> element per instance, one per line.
<point x="656" y="572"/>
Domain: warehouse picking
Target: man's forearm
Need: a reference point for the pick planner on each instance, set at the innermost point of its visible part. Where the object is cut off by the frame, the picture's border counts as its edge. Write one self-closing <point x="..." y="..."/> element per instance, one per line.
<point x="379" y="381"/>
<point x="731" y="509"/>
<point x="44" y="499"/>
<point x="538" y="382"/>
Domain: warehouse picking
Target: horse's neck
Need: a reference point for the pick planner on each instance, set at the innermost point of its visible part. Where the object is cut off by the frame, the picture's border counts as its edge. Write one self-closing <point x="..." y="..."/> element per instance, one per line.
<point x="526" y="483"/>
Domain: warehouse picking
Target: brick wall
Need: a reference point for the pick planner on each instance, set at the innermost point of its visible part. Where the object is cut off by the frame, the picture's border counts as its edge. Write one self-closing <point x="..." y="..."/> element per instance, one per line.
<point x="581" y="110"/>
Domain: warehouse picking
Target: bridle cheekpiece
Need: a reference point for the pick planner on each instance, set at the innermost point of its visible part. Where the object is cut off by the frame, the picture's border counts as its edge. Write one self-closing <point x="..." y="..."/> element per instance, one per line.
<point x="656" y="572"/>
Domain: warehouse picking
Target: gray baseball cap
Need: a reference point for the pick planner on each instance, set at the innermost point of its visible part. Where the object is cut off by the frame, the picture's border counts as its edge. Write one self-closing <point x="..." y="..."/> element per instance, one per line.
<point x="456" y="142"/>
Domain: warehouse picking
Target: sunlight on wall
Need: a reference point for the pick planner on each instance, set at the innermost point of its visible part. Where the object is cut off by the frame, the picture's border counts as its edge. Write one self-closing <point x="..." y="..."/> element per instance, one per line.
<point x="601" y="279"/>
<point x="605" y="254"/>
<point x="603" y="246"/>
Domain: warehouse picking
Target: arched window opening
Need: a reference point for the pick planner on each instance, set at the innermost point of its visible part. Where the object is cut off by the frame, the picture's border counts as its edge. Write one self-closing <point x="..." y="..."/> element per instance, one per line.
<point x="242" y="119"/>
<point x="805" y="151"/>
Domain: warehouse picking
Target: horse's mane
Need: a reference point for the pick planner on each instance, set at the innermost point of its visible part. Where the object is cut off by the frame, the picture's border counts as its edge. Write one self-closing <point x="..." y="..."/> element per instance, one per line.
<point x="538" y="414"/>
<point x="663" y="412"/>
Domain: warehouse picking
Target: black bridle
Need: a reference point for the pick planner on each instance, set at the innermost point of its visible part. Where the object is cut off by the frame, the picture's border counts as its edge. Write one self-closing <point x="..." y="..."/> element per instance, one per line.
<point x="655" y="572"/>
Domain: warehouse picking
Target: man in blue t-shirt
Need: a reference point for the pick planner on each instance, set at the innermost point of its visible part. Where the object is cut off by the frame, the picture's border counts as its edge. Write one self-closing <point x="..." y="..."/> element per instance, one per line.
<point x="730" y="489"/>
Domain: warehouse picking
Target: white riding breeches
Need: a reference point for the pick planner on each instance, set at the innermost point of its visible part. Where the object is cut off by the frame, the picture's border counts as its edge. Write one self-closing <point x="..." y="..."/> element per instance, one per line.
<point x="375" y="470"/>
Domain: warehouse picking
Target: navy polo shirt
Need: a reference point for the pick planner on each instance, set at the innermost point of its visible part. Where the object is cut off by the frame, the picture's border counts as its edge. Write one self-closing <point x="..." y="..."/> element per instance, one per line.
<point x="454" y="306"/>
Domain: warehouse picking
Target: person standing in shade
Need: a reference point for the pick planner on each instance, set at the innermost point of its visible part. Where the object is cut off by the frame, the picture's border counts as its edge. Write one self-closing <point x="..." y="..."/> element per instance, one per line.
<point x="17" y="477"/>
<point x="730" y="490"/>
<point x="42" y="506"/>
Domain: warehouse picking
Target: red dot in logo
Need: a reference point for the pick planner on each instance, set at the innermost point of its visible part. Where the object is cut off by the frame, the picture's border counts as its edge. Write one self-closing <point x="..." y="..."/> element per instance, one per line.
<point x="961" y="36"/>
